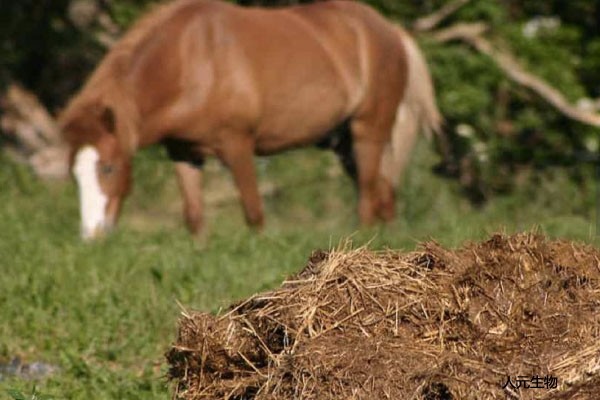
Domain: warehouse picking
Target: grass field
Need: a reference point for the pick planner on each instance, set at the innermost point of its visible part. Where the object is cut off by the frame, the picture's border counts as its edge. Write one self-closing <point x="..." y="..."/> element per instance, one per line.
<point x="106" y="312"/>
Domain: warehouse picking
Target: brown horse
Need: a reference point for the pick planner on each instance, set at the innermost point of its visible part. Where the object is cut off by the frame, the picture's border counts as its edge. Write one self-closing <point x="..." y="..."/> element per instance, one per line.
<point x="206" y="77"/>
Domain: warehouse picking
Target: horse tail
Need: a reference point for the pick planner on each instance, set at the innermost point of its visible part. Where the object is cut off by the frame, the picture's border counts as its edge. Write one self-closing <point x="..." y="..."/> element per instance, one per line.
<point x="417" y="111"/>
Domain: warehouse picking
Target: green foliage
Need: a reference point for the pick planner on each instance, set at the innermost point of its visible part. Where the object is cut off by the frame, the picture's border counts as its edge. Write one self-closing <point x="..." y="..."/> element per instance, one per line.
<point x="126" y="11"/>
<point x="41" y="48"/>
<point x="492" y="12"/>
<point x="498" y="128"/>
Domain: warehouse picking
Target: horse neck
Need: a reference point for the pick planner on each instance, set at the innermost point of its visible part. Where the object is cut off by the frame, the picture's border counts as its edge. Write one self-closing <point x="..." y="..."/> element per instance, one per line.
<point x="127" y="118"/>
<point x="111" y="91"/>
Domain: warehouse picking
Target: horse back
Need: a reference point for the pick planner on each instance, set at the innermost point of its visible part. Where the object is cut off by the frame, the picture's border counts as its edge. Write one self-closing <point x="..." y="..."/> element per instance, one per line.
<point x="309" y="68"/>
<point x="383" y="58"/>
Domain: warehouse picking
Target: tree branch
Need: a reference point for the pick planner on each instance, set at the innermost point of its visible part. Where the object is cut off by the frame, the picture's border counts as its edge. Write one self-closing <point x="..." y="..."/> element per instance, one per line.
<point x="36" y="137"/>
<point x="472" y="35"/>
<point x="22" y="107"/>
<point x="432" y="20"/>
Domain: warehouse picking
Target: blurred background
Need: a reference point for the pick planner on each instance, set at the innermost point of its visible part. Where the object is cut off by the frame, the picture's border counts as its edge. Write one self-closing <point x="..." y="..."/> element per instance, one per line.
<point x="501" y="129"/>
<point x="518" y="83"/>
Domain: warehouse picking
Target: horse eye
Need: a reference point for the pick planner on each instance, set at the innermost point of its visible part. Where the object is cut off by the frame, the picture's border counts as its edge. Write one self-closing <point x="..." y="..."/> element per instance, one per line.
<point x="107" y="169"/>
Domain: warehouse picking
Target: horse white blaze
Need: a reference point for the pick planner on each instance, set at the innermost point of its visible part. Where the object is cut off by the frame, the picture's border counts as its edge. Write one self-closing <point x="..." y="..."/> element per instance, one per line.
<point x="92" y="200"/>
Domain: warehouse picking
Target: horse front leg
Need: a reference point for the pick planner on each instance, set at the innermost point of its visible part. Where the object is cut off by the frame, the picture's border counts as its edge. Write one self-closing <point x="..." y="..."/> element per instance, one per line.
<point x="237" y="153"/>
<point x="368" y="158"/>
<point x="189" y="179"/>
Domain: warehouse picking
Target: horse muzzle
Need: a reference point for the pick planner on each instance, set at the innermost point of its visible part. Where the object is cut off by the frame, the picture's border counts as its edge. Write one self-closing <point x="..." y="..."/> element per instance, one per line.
<point x="96" y="232"/>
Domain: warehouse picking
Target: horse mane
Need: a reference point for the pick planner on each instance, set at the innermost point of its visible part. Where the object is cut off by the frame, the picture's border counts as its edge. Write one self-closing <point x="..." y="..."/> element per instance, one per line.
<point x="104" y="87"/>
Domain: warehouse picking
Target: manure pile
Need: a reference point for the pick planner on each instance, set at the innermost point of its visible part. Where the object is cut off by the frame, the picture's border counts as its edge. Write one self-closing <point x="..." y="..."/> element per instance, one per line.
<point x="512" y="317"/>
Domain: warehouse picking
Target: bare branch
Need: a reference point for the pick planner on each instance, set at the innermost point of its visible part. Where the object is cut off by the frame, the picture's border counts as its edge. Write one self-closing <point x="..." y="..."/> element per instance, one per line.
<point x="460" y="31"/>
<point x="84" y="14"/>
<point x="23" y="108"/>
<point x="110" y="30"/>
<point x="472" y="34"/>
<point x="51" y="162"/>
<point x="34" y="131"/>
<point x="430" y="21"/>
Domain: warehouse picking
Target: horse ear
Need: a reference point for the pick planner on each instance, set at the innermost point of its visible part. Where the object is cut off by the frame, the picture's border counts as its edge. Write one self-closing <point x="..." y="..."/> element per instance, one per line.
<point x="108" y="119"/>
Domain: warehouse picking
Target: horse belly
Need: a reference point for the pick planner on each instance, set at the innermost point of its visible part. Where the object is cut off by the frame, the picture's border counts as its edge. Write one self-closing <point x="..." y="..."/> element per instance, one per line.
<point x="302" y="94"/>
<point x="299" y="120"/>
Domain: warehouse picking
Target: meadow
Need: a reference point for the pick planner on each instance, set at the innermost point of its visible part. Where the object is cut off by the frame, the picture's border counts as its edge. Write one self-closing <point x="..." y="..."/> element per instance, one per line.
<point x="106" y="312"/>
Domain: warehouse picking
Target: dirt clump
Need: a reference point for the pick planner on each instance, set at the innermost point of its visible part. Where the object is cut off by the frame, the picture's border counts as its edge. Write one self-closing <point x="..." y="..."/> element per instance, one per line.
<point x="513" y="317"/>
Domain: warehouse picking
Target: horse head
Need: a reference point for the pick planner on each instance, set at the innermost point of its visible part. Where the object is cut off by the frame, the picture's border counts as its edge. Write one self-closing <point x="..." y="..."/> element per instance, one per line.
<point x="100" y="164"/>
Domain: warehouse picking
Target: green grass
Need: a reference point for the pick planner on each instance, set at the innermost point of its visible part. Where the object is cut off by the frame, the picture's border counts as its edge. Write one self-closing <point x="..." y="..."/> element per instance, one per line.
<point x="106" y="312"/>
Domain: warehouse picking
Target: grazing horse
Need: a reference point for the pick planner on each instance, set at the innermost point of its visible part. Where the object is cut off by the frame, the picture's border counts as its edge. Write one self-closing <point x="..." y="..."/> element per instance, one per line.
<point x="205" y="77"/>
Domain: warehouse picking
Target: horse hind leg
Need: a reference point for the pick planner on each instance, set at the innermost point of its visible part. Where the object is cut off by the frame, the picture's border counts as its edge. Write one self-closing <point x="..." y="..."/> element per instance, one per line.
<point x="385" y="190"/>
<point x="341" y="142"/>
